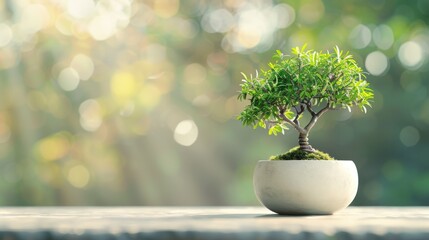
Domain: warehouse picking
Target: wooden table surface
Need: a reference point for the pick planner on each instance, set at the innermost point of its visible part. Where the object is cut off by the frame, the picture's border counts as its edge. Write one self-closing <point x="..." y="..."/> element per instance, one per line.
<point x="210" y="223"/>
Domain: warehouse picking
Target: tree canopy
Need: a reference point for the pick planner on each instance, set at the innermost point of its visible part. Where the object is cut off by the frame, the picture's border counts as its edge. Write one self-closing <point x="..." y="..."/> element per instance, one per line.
<point x="305" y="80"/>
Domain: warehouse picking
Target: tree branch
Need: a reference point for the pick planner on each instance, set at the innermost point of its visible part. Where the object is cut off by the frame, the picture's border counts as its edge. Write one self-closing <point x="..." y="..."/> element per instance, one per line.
<point x="323" y="110"/>
<point x="270" y="123"/>
<point x="308" y="104"/>
<point x="291" y="122"/>
<point x="298" y="113"/>
<point x="315" y="117"/>
<point x="296" y="126"/>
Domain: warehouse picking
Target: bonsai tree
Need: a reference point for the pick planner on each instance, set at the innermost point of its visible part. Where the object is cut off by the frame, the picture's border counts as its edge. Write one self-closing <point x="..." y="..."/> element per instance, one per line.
<point x="306" y="81"/>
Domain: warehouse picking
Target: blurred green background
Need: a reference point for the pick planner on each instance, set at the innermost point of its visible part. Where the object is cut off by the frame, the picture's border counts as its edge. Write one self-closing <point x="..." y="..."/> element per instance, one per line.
<point x="112" y="102"/>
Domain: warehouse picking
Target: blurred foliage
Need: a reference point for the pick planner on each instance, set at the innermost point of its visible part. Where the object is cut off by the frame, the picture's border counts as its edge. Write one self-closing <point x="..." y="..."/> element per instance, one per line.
<point x="134" y="102"/>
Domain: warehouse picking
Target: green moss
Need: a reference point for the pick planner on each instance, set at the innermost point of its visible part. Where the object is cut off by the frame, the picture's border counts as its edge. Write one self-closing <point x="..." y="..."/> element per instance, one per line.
<point x="299" y="154"/>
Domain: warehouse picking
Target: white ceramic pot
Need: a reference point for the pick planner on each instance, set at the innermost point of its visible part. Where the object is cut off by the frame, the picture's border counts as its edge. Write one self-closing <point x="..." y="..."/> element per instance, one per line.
<point x="305" y="186"/>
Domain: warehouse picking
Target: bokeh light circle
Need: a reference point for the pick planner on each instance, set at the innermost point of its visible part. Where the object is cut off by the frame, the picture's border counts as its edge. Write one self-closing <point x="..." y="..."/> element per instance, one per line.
<point x="409" y="136"/>
<point x="376" y="63"/>
<point x="186" y="133"/>
<point x="411" y="55"/>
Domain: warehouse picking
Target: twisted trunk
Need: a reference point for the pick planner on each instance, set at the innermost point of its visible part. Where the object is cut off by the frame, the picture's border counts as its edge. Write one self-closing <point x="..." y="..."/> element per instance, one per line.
<point x="303" y="131"/>
<point x="303" y="143"/>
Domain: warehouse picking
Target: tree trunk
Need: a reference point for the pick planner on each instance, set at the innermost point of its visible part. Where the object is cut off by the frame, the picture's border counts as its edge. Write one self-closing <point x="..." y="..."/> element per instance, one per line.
<point x="303" y="143"/>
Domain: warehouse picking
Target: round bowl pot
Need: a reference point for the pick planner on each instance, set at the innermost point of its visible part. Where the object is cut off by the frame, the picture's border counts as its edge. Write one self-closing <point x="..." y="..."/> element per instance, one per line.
<point x="305" y="187"/>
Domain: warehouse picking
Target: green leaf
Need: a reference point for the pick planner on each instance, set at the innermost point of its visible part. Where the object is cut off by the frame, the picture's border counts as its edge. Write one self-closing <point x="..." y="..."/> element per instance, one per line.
<point x="289" y="114"/>
<point x="272" y="131"/>
<point x="349" y="108"/>
<point x="338" y="53"/>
